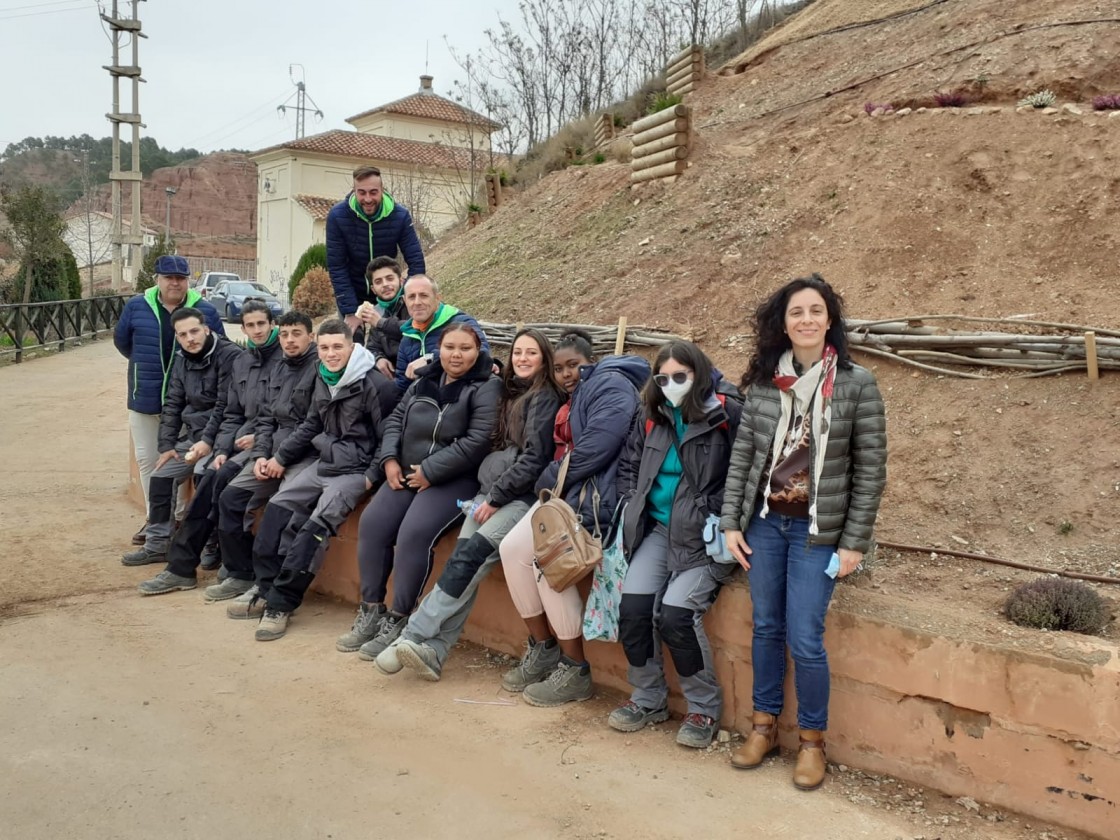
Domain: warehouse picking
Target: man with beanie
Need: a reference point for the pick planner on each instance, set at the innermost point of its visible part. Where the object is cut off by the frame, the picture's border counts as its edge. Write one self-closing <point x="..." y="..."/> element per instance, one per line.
<point x="197" y="390"/>
<point x="344" y="426"/>
<point x="365" y="225"/>
<point x="145" y="337"/>
<point x="248" y="390"/>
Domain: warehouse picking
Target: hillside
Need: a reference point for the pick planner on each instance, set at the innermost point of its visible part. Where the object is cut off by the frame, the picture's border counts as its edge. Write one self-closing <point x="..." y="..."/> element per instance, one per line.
<point x="961" y="211"/>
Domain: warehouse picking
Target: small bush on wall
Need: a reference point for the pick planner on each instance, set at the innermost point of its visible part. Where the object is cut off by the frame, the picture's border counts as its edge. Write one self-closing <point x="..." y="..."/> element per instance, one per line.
<point x="1054" y="603"/>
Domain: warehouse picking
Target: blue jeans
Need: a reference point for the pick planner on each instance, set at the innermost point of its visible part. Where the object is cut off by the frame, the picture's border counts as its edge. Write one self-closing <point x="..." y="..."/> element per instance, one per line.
<point x="789" y="594"/>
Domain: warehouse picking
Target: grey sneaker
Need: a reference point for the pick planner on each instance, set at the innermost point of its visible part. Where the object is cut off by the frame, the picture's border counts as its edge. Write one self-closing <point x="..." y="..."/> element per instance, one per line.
<point x="386" y="662"/>
<point x="228" y="588"/>
<point x="248" y="605"/>
<point x="419" y="657"/>
<point x="564" y="685"/>
<point x="274" y="624"/>
<point x="536" y="664"/>
<point x="696" y="731"/>
<point x="630" y="717"/>
<point x="365" y="627"/>
<point x="387" y="631"/>
<point x="166" y="582"/>
<point x="142" y="557"/>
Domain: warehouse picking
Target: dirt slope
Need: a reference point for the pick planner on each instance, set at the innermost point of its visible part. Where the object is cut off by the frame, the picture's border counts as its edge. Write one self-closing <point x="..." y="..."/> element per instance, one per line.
<point x="945" y="211"/>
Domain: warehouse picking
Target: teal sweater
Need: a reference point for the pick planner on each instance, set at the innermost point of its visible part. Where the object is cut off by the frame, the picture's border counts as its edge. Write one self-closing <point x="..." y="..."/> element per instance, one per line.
<point x="664" y="488"/>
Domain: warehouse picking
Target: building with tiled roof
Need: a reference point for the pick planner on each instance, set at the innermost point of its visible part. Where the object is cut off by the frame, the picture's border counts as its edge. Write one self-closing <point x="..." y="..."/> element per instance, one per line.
<point x="432" y="153"/>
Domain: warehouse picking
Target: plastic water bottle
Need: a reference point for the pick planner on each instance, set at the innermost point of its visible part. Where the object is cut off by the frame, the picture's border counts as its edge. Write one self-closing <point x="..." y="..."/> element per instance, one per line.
<point x="467" y="506"/>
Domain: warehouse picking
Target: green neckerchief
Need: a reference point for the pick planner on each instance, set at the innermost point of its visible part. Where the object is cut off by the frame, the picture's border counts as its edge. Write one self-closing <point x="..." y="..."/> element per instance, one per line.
<point x="273" y="337"/>
<point x="327" y="376"/>
<point x="387" y="205"/>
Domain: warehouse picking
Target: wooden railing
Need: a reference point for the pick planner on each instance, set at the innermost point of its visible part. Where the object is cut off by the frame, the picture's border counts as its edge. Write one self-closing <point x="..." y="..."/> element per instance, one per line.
<point x="32" y="326"/>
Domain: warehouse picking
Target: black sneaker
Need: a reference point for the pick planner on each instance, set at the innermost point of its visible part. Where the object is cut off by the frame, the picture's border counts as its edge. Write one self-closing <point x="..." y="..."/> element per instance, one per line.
<point x="630" y="717"/>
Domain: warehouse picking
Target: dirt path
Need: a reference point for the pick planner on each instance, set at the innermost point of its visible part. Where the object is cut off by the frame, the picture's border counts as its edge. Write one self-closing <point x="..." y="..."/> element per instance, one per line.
<point x="137" y="718"/>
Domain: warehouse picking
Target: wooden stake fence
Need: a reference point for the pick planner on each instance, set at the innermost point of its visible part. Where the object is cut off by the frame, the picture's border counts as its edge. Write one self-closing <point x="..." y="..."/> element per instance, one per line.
<point x="604" y="340"/>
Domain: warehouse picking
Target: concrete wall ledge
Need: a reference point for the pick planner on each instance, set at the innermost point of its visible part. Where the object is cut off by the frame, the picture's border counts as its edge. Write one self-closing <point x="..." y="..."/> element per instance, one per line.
<point x="1020" y="728"/>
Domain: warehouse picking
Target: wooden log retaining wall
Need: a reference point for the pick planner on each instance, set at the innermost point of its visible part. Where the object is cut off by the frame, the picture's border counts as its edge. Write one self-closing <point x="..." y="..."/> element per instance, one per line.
<point x="661" y="145"/>
<point x="684" y="71"/>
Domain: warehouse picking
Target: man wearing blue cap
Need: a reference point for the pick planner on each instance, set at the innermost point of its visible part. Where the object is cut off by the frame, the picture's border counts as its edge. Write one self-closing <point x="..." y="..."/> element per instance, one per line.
<point x="145" y="337"/>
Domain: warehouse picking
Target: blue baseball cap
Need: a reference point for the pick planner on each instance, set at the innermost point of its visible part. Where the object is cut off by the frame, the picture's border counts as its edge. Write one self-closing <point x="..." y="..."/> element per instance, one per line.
<point x="173" y="264"/>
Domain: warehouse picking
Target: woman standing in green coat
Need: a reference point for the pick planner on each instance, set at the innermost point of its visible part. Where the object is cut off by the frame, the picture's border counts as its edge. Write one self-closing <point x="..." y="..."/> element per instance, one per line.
<point x="807" y="472"/>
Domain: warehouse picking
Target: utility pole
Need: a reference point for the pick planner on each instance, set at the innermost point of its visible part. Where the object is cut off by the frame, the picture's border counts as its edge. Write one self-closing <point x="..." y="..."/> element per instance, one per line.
<point x="167" y="225"/>
<point x="122" y="28"/>
<point x="302" y="97"/>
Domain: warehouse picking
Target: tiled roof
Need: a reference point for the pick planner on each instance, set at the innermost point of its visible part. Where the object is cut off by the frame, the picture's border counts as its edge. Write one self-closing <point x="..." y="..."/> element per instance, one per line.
<point x="374" y="148"/>
<point x="431" y="106"/>
<point x="316" y="205"/>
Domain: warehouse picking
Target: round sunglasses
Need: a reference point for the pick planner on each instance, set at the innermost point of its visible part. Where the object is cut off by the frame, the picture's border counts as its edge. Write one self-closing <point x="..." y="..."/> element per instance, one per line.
<point x="680" y="377"/>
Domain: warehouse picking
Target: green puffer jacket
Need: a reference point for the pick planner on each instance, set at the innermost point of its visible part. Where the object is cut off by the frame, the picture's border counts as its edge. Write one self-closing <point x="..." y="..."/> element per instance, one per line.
<point x="855" y="465"/>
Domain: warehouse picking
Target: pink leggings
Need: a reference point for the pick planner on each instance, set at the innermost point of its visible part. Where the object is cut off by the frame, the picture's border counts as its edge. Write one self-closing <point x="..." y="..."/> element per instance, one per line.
<point x="564" y="610"/>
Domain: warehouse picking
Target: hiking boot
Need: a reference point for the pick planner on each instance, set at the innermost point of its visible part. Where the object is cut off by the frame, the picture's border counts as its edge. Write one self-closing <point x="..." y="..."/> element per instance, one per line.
<point x="387" y="662"/>
<point x="390" y="626"/>
<point x="630" y="717"/>
<point x="228" y="588"/>
<point x="418" y="657"/>
<point x="141" y="536"/>
<point x="569" y="682"/>
<point x="166" y="582"/>
<point x="248" y="605"/>
<point x="538" y="661"/>
<point x="696" y="731"/>
<point x="274" y="624"/>
<point x="365" y="627"/>
<point x="142" y="557"/>
<point x="223" y="573"/>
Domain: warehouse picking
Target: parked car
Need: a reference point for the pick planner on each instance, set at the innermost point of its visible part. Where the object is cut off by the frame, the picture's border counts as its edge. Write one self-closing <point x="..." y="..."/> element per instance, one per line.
<point x="228" y="299"/>
<point x="209" y="281"/>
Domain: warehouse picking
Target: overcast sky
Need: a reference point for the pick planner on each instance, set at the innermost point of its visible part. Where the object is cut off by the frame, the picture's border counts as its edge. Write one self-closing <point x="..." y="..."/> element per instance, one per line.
<point x="216" y="71"/>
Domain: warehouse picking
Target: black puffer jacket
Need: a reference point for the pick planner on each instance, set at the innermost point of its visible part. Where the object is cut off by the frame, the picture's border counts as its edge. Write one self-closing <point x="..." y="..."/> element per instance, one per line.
<point x="343" y="423"/>
<point x="290" y="388"/>
<point x="248" y="392"/>
<point x="705" y="449"/>
<point x="445" y="429"/>
<point x="384" y="340"/>
<point x="509" y="474"/>
<point x="197" y="390"/>
<point x="855" y="463"/>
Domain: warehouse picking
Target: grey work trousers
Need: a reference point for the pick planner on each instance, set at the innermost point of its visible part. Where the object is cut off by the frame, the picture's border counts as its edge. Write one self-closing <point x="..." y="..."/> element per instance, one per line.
<point x="440" y="618"/>
<point x="659" y="605"/>
<point x="163" y="487"/>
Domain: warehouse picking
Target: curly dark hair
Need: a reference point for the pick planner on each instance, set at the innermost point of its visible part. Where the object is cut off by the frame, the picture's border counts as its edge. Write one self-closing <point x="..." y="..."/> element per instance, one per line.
<point x="769" y="323"/>
<point x="516" y="392"/>
<point x="691" y="356"/>
<point x="578" y="340"/>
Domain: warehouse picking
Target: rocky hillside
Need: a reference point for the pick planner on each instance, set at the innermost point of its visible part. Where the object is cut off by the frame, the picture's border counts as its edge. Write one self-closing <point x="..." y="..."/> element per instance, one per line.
<point x="981" y="210"/>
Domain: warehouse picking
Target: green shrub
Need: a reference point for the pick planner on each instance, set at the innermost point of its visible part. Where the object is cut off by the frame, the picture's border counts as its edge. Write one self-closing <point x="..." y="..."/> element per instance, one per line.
<point x="146" y="277"/>
<point x="71" y="279"/>
<point x="1053" y="603"/>
<point x="315" y="255"/>
<point x="662" y="100"/>
<point x="315" y="295"/>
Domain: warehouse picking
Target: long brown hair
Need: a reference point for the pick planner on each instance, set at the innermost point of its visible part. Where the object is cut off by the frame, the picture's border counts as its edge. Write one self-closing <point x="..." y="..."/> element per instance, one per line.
<point x="516" y="394"/>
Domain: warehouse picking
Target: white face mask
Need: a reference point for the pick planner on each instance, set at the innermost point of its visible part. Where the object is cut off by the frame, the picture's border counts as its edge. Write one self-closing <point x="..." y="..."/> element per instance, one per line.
<point x="675" y="393"/>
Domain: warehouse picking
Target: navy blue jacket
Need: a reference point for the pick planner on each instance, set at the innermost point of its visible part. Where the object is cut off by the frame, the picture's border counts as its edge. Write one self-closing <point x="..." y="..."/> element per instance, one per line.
<point x="144" y="336"/>
<point x="603" y="408"/>
<point x="353" y="240"/>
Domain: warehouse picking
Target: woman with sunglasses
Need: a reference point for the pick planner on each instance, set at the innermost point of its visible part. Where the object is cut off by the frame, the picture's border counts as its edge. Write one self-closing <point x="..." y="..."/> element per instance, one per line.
<point x="673" y="478"/>
<point x="593" y="428"/>
<point x="807" y="473"/>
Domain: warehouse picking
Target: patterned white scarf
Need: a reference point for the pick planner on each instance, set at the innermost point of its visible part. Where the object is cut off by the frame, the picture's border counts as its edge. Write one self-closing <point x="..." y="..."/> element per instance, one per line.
<point x="809" y="399"/>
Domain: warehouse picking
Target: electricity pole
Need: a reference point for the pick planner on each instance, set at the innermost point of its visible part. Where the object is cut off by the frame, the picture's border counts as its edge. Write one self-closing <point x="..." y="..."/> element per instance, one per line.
<point x="170" y="191"/>
<point x="121" y="28"/>
<point x="302" y="97"/>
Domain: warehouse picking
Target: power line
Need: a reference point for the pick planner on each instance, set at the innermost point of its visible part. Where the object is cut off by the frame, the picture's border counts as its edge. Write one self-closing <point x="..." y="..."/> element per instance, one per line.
<point x="253" y="115"/>
<point x="81" y="8"/>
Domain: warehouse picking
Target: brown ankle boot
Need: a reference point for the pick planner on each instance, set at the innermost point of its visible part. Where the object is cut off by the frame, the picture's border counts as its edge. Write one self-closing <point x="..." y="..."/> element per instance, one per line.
<point x="761" y="742"/>
<point x="811" y="764"/>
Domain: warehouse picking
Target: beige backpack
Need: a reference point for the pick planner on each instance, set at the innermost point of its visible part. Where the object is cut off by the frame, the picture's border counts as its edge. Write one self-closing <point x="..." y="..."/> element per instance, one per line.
<point x="563" y="551"/>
